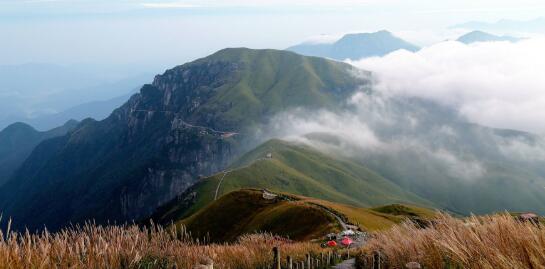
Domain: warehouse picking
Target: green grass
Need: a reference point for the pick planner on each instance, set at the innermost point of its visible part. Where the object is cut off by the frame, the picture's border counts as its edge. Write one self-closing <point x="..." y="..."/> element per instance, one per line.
<point x="304" y="171"/>
<point x="266" y="82"/>
<point x="406" y="210"/>
<point x="246" y="211"/>
<point x="299" y="218"/>
<point x="340" y="184"/>
<point x="372" y="219"/>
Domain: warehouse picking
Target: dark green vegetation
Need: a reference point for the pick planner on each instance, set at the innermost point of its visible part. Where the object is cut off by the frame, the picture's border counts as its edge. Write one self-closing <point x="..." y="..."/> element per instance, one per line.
<point x="404" y="210"/>
<point x="246" y="211"/>
<point x="17" y="142"/>
<point x="356" y="46"/>
<point x="153" y="147"/>
<point x="480" y="36"/>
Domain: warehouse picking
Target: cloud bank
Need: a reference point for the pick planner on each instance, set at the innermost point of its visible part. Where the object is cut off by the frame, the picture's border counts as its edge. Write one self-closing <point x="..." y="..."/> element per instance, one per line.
<point x="373" y="127"/>
<point x="497" y="84"/>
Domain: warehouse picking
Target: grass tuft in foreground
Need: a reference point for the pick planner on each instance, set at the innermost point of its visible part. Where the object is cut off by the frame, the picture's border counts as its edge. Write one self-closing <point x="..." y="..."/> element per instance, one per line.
<point x="130" y="246"/>
<point x="498" y="241"/>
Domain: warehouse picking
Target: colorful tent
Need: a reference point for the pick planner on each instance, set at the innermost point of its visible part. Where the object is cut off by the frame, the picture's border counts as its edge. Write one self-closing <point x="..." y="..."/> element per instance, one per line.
<point x="346" y="241"/>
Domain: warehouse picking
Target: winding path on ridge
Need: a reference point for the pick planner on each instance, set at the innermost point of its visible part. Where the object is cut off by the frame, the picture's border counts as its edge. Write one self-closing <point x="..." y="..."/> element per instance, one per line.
<point x="219" y="184"/>
<point x="339" y="219"/>
<point x="186" y="123"/>
<point x="225" y="172"/>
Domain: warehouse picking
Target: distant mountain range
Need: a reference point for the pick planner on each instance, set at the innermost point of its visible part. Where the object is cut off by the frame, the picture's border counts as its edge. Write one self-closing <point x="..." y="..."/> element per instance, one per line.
<point x="17" y="142"/>
<point x="97" y="110"/>
<point x="356" y="46"/>
<point x="480" y="36"/>
<point x="44" y="95"/>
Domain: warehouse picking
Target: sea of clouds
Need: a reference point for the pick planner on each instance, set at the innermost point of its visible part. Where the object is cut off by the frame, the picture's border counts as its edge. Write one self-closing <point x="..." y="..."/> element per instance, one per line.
<point x="497" y="84"/>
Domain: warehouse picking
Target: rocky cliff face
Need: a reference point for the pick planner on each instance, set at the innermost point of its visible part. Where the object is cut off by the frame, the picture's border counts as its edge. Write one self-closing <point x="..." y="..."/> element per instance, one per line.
<point x="124" y="167"/>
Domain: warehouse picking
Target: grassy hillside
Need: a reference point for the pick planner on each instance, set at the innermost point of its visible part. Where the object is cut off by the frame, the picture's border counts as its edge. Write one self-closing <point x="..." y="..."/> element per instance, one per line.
<point x="302" y="171"/>
<point x="372" y="219"/>
<point x="246" y="211"/>
<point x="258" y="84"/>
<point x="405" y="210"/>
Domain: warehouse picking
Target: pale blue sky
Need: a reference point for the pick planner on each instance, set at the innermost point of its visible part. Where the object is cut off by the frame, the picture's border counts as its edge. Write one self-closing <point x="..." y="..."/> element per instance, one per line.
<point x="165" y="33"/>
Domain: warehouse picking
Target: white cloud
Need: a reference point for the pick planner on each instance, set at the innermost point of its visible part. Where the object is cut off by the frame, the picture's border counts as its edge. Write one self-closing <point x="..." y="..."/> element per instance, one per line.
<point x="497" y="84"/>
<point x="372" y="126"/>
<point x="519" y="148"/>
<point x="294" y="125"/>
<point x="168" y="5"/>
<point x="254" y="3"/>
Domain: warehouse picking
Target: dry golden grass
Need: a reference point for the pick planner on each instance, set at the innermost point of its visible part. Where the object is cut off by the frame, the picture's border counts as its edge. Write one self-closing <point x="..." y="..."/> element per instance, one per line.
<point x="130" y="246"/>
<point x="497" y="241"/>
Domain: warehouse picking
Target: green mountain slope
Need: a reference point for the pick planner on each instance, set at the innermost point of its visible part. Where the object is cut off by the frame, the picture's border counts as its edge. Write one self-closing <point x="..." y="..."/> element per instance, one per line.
<point x="302" y="170"/>
<point x="293" y="169"/>
<point x="246" y="211"/>
<point x="158" y="143"/>
<point x="262" y="83"/>
<point x="17" y="142"/>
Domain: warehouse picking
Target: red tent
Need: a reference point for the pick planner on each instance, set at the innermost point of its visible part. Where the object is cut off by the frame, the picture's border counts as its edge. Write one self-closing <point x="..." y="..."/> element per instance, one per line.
<point x="331" y="243"/>
<point x="346" y="241"/>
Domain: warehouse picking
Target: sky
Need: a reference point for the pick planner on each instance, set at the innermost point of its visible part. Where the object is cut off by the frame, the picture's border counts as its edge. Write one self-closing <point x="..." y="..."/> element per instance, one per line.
<point x="163" y="33"/>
